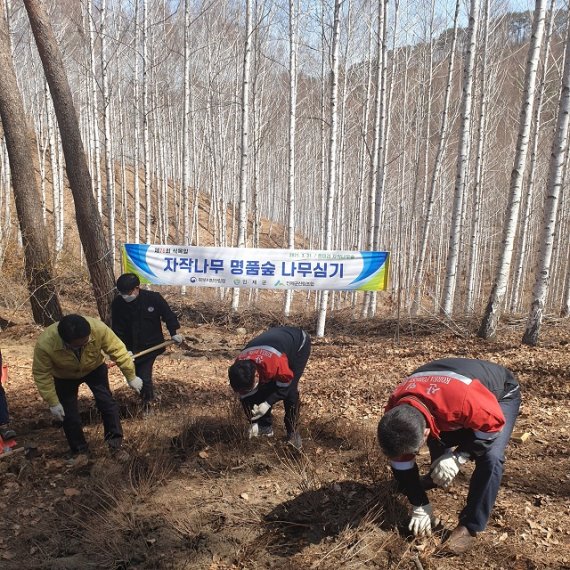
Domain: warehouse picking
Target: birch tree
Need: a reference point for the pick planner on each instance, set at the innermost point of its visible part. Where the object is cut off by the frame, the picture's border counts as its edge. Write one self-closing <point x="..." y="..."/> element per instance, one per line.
<point x="331" y="186"/>
<point x="524" y="227"/>
<point x="109" y="166"/>
<point x="186" y="128"/>
<point x="244" y="159"/>
<point x="96" y="163"/>
<point x="494" y="307"/>
<point x="376" y="147"/>
<point x="462" y="164"/>
<point x="474" y="253"/>
<point x="293" y="10"/>
<point x="437" y="168"/>
<point x="552" y="199"/>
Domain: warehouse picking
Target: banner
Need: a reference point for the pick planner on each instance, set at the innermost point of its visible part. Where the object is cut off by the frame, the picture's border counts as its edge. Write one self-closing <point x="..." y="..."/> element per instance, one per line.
<point x="257" y="268"/>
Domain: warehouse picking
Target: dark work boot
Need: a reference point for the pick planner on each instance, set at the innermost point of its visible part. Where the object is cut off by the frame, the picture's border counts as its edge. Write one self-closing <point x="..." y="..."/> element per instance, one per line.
<point x="6" y="433"/>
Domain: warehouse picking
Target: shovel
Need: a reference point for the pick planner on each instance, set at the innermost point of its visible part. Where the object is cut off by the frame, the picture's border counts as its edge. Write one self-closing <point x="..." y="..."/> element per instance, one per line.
<point x="145" y="351"/>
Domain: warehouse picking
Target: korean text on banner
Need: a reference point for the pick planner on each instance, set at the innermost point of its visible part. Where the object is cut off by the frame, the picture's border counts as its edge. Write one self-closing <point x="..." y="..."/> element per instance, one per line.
<point x="257" y="268"/>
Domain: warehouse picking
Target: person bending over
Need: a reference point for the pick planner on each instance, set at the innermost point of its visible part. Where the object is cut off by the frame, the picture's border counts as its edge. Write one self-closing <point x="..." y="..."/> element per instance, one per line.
<point x="465" y="409"/>
<point x="268" y="370"/>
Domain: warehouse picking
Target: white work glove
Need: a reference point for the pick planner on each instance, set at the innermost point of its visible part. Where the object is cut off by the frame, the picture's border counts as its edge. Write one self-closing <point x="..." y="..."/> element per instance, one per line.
<point x="130" y="353"/>
<point x="259" y="410"/>
<point x="177" y="338"/>
<point x="136" y="384"/>
<point x="57" y="411"/>
<point x="445" y="468"/>
<point x="422" y="520"/>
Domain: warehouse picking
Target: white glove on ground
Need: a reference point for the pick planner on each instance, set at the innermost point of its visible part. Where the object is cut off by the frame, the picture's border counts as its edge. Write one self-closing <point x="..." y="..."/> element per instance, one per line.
<point x="421" y="521"/>
<point x="259" y="410"/>
<point x="177" y="338"/>
<point x="57" y="411"/>
<point x="136" y="384"/>
<point x="445" y="468"/>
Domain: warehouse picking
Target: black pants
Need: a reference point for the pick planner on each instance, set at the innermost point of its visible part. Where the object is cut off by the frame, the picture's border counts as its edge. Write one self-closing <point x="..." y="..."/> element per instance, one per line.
<point x="67" y="392"/>
<point x="291" y="401"/>
<point x="143" y="369"/>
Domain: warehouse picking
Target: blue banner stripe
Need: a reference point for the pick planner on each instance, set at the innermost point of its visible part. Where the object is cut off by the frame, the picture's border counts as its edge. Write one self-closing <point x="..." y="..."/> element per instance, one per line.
<point x="137" y="254"/>
<point x="373" y="261"/>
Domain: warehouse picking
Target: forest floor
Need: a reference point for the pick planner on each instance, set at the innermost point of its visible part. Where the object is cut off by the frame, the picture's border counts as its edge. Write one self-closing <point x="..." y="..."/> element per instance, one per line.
<point x="197" y="494"/>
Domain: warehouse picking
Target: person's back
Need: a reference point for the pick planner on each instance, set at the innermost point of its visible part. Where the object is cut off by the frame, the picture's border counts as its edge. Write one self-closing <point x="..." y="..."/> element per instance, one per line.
<point x="286" y="340"/>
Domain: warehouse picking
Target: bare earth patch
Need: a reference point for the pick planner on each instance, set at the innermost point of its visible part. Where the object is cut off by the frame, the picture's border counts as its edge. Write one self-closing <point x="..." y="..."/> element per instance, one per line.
<point x="197" y="494"/>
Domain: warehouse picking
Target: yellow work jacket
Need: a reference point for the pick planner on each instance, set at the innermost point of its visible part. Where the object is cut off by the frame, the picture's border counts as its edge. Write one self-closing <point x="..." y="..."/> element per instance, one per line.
<point x="53" y="360"/>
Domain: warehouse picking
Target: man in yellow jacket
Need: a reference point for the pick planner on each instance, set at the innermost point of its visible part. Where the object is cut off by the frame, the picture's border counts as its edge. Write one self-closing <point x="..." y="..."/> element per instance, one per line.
<point x="69" y="353"/>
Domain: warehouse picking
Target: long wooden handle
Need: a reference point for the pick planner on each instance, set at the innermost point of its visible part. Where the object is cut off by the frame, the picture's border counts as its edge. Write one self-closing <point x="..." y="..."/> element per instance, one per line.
<point x="146" y="351"/>
<point x="152" y="348"/>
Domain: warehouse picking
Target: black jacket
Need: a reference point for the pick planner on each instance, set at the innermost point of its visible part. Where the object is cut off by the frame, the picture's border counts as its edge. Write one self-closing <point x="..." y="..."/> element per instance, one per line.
<point x="287" y="340"/>
<point x="138" y="323"/>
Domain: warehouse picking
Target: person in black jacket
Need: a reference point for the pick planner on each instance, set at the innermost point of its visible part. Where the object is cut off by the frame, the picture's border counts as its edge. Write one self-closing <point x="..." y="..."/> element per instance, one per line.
<point x="268" y="370"/>
<point x="136" y="317"/>
<point x="6" y="432"/>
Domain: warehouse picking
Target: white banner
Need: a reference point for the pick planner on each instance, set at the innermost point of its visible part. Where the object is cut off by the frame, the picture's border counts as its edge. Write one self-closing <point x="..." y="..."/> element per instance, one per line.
<point x="257" y="268"/>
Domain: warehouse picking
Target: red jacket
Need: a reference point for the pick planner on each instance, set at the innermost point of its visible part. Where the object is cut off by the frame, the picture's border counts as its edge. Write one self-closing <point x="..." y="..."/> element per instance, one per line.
<point x="271" y="364"/>
<point x="277" y="356"/>
<point x="453" y="394"/>
<point x="450" y="401"/>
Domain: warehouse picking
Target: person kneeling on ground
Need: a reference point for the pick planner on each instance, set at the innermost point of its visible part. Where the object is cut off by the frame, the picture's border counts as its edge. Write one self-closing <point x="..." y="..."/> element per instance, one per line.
<point x="67" y="354"/>
<point x="466" y="410"/>
<point x="268" y="370"/>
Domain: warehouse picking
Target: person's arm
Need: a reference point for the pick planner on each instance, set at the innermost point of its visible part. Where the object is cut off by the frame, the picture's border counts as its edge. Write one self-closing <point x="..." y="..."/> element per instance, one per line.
<point x="168" y="316"/>
<point x="407" y="477"/>
<point x="116" y="349"/>
<point x="283" y="377"/>
<point x="42" y="372"/>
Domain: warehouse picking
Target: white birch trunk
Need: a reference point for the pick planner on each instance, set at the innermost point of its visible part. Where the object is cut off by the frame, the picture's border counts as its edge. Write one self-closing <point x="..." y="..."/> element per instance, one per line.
<point x="518" y="280"/>
<point x="552" y="199"/>
<point x="96" y="174"/>
<point x="55" y="182"/>
<point x="437" y="169"/>
<point x="244" y="161"/>
<point x="186" y="128"/>
<point x="293" y="9"/>
<point x="474" y="256"/>
<point x="331" y="187"/>
<point x="109" y="168"/>
<point x="376" y="142"/>
<point x="146" y="125"/>
<point x="493" y="311"/>
<point x="452" y="263"/>
<point x="136" y="134"/>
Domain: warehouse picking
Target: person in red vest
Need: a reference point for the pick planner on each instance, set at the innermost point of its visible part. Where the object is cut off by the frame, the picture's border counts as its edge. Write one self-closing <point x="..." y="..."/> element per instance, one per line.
<point x="268" y="370"/>
<point x="465" y="409"/>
